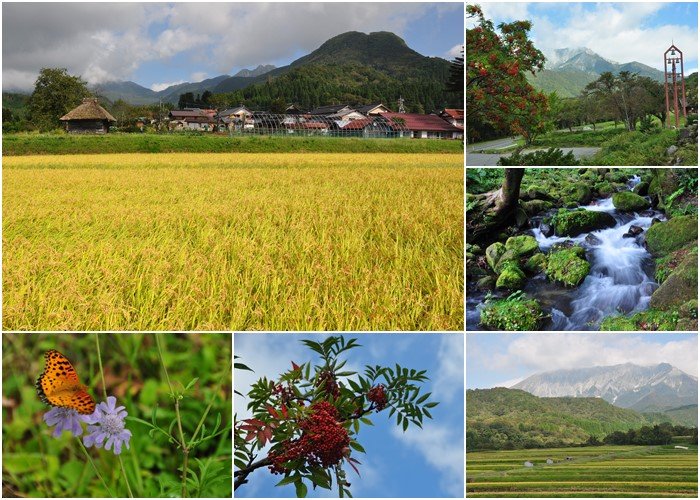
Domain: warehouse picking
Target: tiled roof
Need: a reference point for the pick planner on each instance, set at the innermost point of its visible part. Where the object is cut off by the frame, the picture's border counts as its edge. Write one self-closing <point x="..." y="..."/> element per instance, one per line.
<point x="416" y="121"/>
<point x="457" y="114"/>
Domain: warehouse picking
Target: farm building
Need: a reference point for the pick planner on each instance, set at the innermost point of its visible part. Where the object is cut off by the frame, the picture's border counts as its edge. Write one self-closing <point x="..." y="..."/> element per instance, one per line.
<point x="88" y="118"/>
<point x="373" y="109"/>
<point x="454" y="116"/>
<point x="338" y="112"/>
<point x="424" y="126"/>
<point x="192" y="119"/>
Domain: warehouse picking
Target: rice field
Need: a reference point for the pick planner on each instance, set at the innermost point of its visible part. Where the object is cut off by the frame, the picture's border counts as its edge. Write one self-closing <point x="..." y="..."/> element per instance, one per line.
<point x="604" y="471"/>
<point x="183" y="241"/>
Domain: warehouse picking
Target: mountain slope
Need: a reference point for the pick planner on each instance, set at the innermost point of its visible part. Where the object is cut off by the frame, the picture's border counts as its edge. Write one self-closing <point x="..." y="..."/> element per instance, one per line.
<point x="642" y="388"/>
<point x="131" y="92"/>
<point x="524" y="420"/>
<point x="260" y="70"/>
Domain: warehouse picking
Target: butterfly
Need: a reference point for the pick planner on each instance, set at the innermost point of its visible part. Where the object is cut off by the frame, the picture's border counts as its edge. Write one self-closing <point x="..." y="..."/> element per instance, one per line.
<point x="59" y="385"/>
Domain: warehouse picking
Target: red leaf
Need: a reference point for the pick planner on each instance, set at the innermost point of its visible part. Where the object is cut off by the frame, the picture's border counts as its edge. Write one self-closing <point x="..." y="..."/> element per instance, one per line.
<point x="295" y="366"/>
<point x="350" y="461"/>
<point x="272" y="411"/>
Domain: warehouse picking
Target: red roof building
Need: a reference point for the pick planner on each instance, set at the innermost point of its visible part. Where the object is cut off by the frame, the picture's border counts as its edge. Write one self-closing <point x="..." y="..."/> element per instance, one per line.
<point x="424" y="126"/>
<point x="454" y="116"/>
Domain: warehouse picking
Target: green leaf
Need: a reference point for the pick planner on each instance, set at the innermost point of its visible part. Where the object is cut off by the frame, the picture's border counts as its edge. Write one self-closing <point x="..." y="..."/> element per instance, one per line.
<point x="423" y="398"/>
<point x="405" y="424"/>
<point x="301" y="488"/>
<point x="288" y="480"/>
<point x="432" y="404"/>
<point x="357" y="446"/>
<point x="191" y="383"/>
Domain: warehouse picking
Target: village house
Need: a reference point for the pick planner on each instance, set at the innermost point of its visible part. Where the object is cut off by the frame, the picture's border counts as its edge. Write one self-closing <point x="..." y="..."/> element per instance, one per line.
<point x="192" y="119"/>
<point x="373" y="109"/>
<point x="424" y="126"/>
<point x="337" y="112"/>
<point x="454" y="116"/>
<point x="88" y="118"/>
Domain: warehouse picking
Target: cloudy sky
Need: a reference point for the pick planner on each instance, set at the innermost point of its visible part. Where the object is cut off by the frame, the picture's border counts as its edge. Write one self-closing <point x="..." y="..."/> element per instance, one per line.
<point x="622" y="32"/>
<point x="159" y="44"/>
<point x="418" y="463"/>
<point x="502" y="360"/>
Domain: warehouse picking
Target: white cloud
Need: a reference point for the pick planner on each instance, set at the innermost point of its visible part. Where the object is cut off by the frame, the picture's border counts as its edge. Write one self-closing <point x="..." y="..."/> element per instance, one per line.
<point x="450" y="371"/>
<point x="157" y="87"/>
<point x="455" y="51"/>
<point x="198" y="76"/>
<point x="542" y="352"/>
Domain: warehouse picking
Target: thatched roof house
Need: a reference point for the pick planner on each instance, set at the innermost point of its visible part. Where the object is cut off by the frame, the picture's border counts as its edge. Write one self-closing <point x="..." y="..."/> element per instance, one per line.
<point x="88" y="118"/>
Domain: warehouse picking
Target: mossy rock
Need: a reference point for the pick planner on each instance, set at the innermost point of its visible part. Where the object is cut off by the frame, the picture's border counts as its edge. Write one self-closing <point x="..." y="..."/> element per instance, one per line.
<point x="486" y="283"/>
<point x="649" y="320"/>
<point x="680" y="287"/>
<point x="523" y="245"/>
<point x="568" y="266"/>
<point x="534" y="207"/>
<point x="494" y="253"/>
<point x="577" y="222"/>
<point x="667" y="264"/>
<point x="663" y="183"/>
<point x="689" y="309"/>
<point x="604" y="188"/>
<point x="512" y="315"/>
<point x="580" y="194"/>
<point x="536" y="264"/>
<point x="617" y="176"/>
<point x="511" y="277"/>
<point x="474" y="249"/>
<point x="508" y="256"/>
<point x="666" y="237"/>
<point x="642" y="189"/>
<point x="627" y="201"/>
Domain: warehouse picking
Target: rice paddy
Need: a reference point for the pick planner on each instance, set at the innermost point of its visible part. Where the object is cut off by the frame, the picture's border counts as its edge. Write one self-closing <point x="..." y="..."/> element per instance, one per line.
<point x="183" y="241"/>
<point x="599" y="471"/>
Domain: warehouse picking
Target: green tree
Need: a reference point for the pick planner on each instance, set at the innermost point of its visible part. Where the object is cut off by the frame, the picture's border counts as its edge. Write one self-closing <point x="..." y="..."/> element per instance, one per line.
<point x="55" y="94"/>
<point x="497" y="91"/>
<point x="456" y="81"/>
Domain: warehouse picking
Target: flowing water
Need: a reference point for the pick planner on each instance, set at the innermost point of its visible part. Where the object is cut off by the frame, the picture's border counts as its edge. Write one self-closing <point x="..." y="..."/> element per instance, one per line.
<point x="620" y="279"/>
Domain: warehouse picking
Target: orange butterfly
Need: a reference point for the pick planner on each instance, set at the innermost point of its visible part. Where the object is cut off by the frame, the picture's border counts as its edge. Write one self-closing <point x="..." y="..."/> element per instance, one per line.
<point x="59" y="385"/>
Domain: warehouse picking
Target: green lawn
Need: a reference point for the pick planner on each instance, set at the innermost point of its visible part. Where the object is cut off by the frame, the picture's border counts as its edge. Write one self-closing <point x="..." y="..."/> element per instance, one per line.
<point x="35" y="144"/>
<point x="633" y="471"/>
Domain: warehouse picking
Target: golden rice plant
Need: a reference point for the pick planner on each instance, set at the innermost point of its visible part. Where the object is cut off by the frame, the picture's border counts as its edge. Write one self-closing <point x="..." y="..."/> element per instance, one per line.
<point x="233" y="242"/>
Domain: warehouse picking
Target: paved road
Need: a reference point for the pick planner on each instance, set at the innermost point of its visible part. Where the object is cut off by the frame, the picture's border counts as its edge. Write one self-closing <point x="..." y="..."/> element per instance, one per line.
<point x="496" y="144"/>
<point x="490" y="160"/>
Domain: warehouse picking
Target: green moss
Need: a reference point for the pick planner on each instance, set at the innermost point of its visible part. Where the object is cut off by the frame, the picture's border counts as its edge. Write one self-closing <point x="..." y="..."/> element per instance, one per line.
<point x="626" y="201"/>
<point x="511" y="277"/>
<point x="534" y="207"/>
<point x="512" y="315"/>
<point x="567" y="266"/>
<point x="536" y="263"/>
<point x="641" y="189"/>
<point x="649" y="320"/>
<point x="667" y="264"/>
<point x="680" y="287"/>
<point x="580" y="194"/>
<point x="573" y="223"/>
<point x="604" y="188"/>
<point x="509" y="256"/>
<point x="666" y="237"/>
<point x="522" y="245"/>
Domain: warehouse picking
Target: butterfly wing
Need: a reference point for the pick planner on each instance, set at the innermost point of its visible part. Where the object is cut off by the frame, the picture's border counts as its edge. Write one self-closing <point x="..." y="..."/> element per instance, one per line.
<point x="59" y="385"/>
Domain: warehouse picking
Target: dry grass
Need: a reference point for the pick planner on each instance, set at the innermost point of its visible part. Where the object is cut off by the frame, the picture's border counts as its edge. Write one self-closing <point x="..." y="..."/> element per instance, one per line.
<point x="233" y="242"/>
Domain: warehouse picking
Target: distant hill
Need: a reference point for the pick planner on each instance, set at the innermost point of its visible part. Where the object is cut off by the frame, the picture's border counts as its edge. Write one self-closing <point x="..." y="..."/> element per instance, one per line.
<point x="569" y="70"/>
<point x="260" y="70"/>
<point x="503" y="418"/>
<point x="643" y="388"/>
<point x="133" y="93"/>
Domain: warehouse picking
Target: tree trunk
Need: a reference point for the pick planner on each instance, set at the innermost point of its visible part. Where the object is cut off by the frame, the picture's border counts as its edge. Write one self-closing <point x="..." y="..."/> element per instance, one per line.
<point x="496" y="209"/>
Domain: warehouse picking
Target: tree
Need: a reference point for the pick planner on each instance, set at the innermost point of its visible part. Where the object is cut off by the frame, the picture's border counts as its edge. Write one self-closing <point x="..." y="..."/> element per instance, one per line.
<point x="55" y="94"/>
<point x="186" y="100"/>
<point x="312" y="414"/>
<point x="206" y="95"/>
<point x="497" y="91"/>
<point x="490" y="211"/>
<point x="456" y="81"/>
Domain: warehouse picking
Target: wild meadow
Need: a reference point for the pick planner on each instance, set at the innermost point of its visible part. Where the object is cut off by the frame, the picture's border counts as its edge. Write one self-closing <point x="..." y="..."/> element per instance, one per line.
<point x="233" y="242"/>
<point x="163" y="407"/>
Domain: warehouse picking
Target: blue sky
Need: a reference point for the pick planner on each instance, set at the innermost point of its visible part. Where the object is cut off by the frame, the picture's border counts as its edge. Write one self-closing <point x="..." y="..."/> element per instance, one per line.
<point x="159" y="44"/>
<point x="418" y="463"/>
<point x="502" y="360"/>
<point x="622" y="32"/>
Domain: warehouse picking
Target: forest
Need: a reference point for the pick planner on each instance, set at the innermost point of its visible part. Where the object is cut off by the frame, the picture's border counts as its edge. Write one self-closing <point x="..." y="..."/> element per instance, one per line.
<point x="581" y="249"/>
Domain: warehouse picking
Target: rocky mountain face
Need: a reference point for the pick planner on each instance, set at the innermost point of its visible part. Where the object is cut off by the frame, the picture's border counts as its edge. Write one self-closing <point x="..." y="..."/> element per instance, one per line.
<point x="642" y="388"/>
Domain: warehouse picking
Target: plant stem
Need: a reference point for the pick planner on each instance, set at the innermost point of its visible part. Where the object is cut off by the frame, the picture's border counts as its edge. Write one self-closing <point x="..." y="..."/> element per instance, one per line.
<point x="82" y="446"/>
<point x="183" y="443"/>
<point x="126" y="479"/>
<point x="99" y="361"/>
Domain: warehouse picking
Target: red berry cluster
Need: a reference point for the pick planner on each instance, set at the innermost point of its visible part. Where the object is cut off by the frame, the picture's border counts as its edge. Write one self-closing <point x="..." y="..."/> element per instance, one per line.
<point x="377" y="396"/>
<point x="326" y="381"/>
<point x="286" y="393"/>
<point x="324" y="442"/>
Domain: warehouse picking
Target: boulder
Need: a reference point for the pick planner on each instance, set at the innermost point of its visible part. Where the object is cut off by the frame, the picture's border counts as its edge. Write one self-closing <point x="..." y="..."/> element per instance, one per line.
<point x="523" y="246"/>
<point x="593" y="240"/>
<point x="666" y="237"/>
<point x="508" y="256"/>
<point x="512" y="315"/>
<point x="568" y="266"/>
<point x="536" y="264"/>
<point x="494" y="253"/>
<point x="646" y="213"/>
<point x="534" y="207"/>
<point x="627" y="201"/>
<point x="474" y="249"/>
<point x="671" y="150"/>
<point x="581" y="221"/>
<point x="511" y="277"/>
<point x="633" y="232"/>
<point x="579" y="194"/>
<point x="642" y="189"/>
<point x="521" y="219"/>
<point x="486" y="283"/>
<point x="680" y="287"/>
<point x="546" y="229"/>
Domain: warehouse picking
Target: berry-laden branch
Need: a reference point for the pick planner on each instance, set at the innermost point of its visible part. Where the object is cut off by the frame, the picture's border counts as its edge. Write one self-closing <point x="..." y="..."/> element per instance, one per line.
<point x="312" y="414"/>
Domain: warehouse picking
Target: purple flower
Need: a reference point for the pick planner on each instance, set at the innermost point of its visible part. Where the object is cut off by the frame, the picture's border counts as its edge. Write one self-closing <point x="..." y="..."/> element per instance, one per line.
<point x="107" y="423"/>
<point x="65" y="419"/>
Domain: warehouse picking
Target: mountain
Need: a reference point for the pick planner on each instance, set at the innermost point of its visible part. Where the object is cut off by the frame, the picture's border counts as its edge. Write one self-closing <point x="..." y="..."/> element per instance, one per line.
<point x="567" y="71"/>
<point x="260" y="70"/>
<point x="496" y="416"/>
<point x="172" y="93"/>
<point x="131" y="92"/>
<point x="643" y="388"/>
<point x="351" y="68"/>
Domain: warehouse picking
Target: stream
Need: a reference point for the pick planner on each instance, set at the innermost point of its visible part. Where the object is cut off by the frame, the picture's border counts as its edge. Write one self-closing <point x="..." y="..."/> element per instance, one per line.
<point x="620" y="280"/>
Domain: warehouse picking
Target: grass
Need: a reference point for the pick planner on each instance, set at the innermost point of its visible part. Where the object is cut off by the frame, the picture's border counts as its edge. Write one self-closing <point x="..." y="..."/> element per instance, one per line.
<point x="642" y="471"/>
<point x="233" y="242"/>
<point x="577" y="138"/>
<point x="61" y="143"/>
<point x="131" y="368"/>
